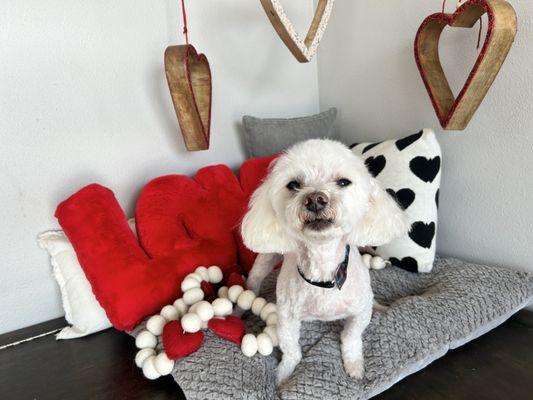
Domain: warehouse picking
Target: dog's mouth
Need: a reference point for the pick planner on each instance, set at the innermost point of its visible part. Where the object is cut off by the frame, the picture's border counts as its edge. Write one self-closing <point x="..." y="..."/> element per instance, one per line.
<point x="318" y="224"/>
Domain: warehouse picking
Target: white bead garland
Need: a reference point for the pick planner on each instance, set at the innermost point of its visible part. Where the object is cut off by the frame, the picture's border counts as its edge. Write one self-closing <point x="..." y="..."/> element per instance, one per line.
<point x="194" y="313"/>
<point x="142" y="355"/>
<point x="155" y="324"/>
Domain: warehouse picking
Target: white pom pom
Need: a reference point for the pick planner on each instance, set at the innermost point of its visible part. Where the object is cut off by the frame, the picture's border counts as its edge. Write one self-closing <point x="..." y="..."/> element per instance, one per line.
<point x="272" y="331"/>
<point x="272" y="319"/>
<point x="193" y="295"/>
<point x="204" y="310"/>
<point x="245" y="300"/>
<point x="222" y="307"/>
<point x="223" y="292"/>
<point x="149" y="370"/>
<point x="192" y="309"/>
<point x="205" y="325"/>
<point x="377" y="262"/>
<point x="215" y="274"/>
<point x="189" y="283"/>
<point x="234" y="292"/>
<point x="267" y="309"/>
<point x="155" y="324"/>
<point x="366" y="259"/>
<point x="142" y="355"/>
<point x="163" y="365"/>
<point x="145" y="340"/>
<point x="170" y="313"/>
<point x="194" y="275"/>
<point x="191" y="323"/>
<point x="264" y="344"/>
<point x="181" y="306"/>
<point x="202" y="271"/>
<point x="258" y="305"/>
<point x="249" y="345"/>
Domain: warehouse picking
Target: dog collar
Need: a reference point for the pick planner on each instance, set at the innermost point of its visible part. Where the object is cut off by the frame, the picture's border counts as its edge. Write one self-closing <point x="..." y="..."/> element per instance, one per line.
<point x="340" y="274"/>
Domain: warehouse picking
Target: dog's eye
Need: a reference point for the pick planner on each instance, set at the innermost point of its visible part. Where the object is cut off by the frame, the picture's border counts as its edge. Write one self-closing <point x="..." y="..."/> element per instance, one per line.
<point x="293" y="186"/>
<point x="343" y="182"/>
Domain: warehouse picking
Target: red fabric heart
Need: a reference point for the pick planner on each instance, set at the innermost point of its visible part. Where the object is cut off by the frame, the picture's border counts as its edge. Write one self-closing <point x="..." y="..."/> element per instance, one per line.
<point x="177" y="343"/>
<point x="209" y="292"/>
<point x="236" y="279"/>
<point x="181" y="223"/>
<point x="231" y="328"/>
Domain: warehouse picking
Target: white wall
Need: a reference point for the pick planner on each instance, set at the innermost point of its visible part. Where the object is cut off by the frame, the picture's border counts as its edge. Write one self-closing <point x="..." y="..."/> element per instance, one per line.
<point x="84" y="98"/>
<point x="366" y="68"/>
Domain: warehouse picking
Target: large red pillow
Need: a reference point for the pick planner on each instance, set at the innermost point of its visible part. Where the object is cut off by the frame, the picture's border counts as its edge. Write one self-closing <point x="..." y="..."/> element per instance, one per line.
<point x="181" y="223"/>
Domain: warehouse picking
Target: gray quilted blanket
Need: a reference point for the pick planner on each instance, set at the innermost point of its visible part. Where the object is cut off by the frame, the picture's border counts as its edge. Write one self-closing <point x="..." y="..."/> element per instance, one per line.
<point x="429" y="314"/>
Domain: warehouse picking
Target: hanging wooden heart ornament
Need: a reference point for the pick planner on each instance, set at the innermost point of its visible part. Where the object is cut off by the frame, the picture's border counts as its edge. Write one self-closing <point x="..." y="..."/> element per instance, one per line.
<point x="189" y="80"/>
<point x="455" y="113"/>
<point x="305" y="49"/>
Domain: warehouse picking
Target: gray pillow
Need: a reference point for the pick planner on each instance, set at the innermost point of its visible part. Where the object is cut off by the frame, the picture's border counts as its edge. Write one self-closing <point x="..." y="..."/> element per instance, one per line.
<point x="264" y="137"/>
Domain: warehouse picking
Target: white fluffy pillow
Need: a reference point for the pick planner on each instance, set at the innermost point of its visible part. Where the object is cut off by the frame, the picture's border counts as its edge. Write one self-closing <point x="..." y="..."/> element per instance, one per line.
<point x="82" y="310"/>
<point x="410" y="170"/>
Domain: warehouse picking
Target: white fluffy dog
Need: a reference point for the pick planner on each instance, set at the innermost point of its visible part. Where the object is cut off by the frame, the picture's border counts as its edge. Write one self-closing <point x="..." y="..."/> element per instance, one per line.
<point x="315" y="207"/>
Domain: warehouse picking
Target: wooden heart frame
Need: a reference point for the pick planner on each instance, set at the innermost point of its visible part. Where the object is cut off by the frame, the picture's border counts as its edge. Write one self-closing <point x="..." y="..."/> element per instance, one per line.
<point x="305" y="49"/>
<point x="189" y="80"/>
<point x="455" y="113"/>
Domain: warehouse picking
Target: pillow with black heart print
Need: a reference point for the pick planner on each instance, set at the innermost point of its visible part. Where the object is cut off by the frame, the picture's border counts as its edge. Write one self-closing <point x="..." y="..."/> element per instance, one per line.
<point x="409" y="169"/>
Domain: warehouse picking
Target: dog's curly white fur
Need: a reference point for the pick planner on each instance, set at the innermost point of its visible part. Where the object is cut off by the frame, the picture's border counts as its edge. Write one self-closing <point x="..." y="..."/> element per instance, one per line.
<point x="317" y="198"/>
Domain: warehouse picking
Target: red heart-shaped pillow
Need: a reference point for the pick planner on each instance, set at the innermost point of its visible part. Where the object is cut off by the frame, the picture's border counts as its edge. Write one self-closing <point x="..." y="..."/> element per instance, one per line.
<point x="181" y="223"/>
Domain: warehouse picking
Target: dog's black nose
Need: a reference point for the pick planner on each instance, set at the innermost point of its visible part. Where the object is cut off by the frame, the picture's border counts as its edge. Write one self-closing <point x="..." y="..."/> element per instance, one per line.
<point x="316" y="202"/>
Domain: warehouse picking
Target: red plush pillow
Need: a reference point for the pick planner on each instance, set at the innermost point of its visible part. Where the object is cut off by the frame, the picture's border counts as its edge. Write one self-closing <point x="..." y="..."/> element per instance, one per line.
<point x="181" y="223"/>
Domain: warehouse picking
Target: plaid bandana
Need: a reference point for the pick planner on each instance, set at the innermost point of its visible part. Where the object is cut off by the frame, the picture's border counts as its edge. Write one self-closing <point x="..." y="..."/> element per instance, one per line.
<point x="340" y="274"/>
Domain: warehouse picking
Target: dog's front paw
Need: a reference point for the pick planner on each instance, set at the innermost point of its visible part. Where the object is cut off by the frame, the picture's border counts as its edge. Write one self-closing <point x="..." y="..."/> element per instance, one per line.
<point x="355" y="368"/>
<point x="285" y="369"/>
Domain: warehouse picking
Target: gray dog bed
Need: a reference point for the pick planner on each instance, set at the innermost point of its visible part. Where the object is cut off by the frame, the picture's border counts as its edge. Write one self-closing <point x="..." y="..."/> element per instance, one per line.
<point x="429" y="314"/>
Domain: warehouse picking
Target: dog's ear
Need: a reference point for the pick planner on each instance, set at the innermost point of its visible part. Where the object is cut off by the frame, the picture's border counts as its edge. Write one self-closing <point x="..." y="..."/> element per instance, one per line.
<point x="383" y="221"/>
<point x="261" y="229"/>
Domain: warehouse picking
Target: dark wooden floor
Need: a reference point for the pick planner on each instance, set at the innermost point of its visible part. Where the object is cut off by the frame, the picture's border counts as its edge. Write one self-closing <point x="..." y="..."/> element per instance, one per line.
<point x="496" y="366"/>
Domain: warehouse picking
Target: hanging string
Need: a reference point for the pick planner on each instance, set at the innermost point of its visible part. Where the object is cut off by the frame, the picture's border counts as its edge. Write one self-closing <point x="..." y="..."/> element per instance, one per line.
<point x="479" y="33"/>
<point x="184" y="15"/>
<point x="459" y="4"/>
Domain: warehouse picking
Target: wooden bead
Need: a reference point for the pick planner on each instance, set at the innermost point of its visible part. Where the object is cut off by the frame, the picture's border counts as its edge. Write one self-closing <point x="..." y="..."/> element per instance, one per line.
<point x="215" y="274"/>
<point x="246" y="299"/>
<point x="145" y="340"/>
<point x="249" y="345"/>
<point x="155" y="324"/>
<point x="264" y="344"/>
<point x="234" y="292"/>
<point x="193" y="295"/>
<point x="258" y="305"/>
